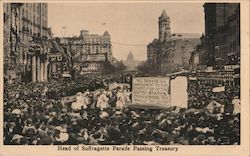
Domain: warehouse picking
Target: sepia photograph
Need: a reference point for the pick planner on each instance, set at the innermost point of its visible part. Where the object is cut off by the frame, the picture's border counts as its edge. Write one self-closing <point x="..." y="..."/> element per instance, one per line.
<point x="127" y="75"/>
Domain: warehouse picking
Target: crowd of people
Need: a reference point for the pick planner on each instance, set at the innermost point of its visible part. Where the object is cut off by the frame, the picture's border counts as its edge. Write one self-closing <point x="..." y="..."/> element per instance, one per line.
<point x="34" y="114"/>
<point x="201" y="93"/>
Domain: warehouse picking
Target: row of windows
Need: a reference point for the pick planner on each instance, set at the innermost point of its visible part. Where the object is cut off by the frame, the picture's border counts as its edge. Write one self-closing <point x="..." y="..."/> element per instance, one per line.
<point x="35" y="19"/>
<point x="28" y="12"/>
<point x="93" y="51"/>
<point x="97" y="40"/>
<point x="33" y="30"/>
<point x="91" y="47"/>
<point x="164" y="25"/>
<point x="6" y="7"/>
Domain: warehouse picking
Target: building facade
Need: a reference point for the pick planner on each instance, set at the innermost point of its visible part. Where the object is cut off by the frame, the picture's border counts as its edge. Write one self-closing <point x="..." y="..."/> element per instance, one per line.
<point x="170" y="52"/>
<point x="88" y="51"/>
<point x="26" y="41"/>
<point x="57" y="59"/>
<point x="222" y="33"/>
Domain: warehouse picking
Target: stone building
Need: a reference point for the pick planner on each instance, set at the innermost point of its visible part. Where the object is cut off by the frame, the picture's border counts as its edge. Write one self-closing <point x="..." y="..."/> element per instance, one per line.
<point x="219" y="51"/>
<point x="170" y="52"/>
<point x="88" y="51"/>
<point x="222" y="34"/>
<point x="25" y="41"/>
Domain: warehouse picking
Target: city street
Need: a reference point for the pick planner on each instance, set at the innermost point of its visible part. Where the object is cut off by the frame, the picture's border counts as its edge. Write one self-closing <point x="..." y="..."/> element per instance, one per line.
<point x="90" y="83"/>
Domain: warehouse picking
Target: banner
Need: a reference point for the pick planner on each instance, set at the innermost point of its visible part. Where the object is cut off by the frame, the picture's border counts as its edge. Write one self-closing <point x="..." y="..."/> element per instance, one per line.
<point x="219" y="89"/>
<point x="151" y="91"/>
<point x="193" y="78"/>
<point x="179" y="95"/>
<point x="94" y="57"/>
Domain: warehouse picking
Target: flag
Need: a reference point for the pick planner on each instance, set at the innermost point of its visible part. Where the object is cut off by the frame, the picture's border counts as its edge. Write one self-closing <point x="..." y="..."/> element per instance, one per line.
<point x="219" y="89"/>
<point x="212" y="105"/>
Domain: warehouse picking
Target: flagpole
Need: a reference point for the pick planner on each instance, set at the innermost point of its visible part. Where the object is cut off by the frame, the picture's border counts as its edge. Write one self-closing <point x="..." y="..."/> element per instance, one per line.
<point x="63" y="31"/>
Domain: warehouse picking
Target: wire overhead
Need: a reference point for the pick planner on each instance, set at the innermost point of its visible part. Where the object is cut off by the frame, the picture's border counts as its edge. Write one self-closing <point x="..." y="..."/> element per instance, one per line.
<point x="126" y="44"/>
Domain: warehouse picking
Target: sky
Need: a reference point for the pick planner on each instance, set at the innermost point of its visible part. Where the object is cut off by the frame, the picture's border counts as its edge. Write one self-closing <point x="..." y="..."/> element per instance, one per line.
<point x="131" y="25"/>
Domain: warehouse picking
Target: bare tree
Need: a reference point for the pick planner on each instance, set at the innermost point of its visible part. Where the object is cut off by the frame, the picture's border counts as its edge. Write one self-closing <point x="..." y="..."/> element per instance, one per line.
<point x="70" y="54"/>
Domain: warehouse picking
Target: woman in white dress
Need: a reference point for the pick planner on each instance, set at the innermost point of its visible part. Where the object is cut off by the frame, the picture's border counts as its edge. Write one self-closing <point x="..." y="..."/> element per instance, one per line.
<point x="121" y="99"/>
<point x="102" y="102"/>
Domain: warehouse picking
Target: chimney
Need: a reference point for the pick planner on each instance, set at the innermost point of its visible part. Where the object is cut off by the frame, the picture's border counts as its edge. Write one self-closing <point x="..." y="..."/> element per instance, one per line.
<point x="84" y="33"/>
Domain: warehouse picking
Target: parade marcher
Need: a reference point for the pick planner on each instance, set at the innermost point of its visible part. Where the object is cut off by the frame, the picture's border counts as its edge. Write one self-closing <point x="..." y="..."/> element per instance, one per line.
<point x="121" y="99"/>
<point x="102" y="102"/>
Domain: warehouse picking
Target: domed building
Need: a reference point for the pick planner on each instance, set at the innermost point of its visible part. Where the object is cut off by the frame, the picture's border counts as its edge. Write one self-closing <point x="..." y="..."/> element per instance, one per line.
<point x="130" y="62"/>
<point x="130" y="56"/>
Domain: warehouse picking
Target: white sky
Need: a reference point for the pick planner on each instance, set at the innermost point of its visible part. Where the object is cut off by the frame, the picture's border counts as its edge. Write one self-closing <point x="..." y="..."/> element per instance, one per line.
<point x="127" y="23"/>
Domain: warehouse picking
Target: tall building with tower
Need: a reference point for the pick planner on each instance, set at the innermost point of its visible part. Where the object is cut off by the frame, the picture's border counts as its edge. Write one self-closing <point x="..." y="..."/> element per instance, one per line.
<point x="171" y="51"/>
<point x="164" y="26"/>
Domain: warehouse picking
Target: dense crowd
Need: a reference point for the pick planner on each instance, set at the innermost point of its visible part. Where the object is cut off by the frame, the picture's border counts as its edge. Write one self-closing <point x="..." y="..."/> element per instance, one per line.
<point x="35" y="115"/>
<point x="201" y="93"/>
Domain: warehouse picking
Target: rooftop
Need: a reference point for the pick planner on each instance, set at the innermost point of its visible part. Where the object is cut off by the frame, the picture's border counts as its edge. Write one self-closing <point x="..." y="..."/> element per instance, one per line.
<point x="164" y="16"/>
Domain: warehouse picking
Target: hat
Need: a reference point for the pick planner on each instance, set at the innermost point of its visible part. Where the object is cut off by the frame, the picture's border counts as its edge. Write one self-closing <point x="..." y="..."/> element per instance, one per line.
<point x="80" y="139"/>
<point x="73" y="121"/>
<point x="211" y="139"/>
<point x="169" y="138"/>
<point x="79" y="94"/>
<point x="93" y="141"/>
<point x="201" y="137"/>
<point x="64" y="110"/>
<point x="183" y="142"/>
<point x="50" y="132"/>
<point x="51" y="127"/>
<point x="16" y="137"/>
<point x="43" y="127"/>
<point x="58" y="128"/>
<point x="118" y="112"/>
<point x="104" y="114"/>
<point x="63" y="137"/>
<point x="16" y="111"/>
<point x="162" y="121"/>
<point x="45" y="140"/>
<point x="150" y="143"/>
<point x="134" y="115"/>
<point x="12" y="124"/>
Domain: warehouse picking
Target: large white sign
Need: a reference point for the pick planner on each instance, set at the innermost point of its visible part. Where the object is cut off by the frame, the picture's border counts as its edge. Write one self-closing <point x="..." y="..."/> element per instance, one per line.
<point x="94" y="57"/>
<point x="151" y="91"/>
<point x="179" y="95"/>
